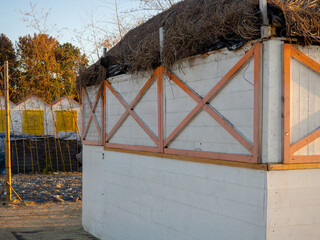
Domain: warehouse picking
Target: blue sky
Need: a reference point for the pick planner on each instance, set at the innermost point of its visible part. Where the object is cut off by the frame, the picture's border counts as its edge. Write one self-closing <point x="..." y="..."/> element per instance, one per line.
<point x="67" y="15"/>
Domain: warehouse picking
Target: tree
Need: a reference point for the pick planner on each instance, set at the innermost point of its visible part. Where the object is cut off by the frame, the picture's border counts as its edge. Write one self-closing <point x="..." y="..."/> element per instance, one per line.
<point x="67" y="57"/>
<point x="47" y="68"/>
<point x="156" y="5"/>
<point x="7" y="52"/>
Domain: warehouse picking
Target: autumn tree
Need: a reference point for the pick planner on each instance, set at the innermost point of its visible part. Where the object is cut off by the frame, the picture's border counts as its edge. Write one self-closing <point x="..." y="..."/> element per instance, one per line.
<point x="68" y="57"/>
<point x="47" y="69"/>
<point x="7" y="52"/>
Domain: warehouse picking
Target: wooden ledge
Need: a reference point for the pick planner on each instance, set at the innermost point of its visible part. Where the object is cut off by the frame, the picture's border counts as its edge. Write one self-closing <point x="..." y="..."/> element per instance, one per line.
<point x="293" y="166"/>
<point x="256" y="166"/>
<point x="193" y="159"/>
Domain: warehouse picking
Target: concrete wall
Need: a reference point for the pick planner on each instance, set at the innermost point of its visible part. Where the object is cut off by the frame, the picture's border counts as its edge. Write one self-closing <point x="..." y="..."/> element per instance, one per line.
<point x="141" y="197"/>
<point x="272" y="101"/>
<point x="293" y="205"/>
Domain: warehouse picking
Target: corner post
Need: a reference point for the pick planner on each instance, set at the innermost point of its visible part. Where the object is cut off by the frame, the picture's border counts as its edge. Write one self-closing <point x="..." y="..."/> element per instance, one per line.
<point x="8" y="149"/>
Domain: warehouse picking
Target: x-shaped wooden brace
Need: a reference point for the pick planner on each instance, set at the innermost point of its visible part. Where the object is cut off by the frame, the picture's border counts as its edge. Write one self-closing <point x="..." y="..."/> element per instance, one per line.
<point x="92" y="109"/>
<point x="130" y="111"/>
<point x="203" y="104"/>
<point x="290" y="149"/>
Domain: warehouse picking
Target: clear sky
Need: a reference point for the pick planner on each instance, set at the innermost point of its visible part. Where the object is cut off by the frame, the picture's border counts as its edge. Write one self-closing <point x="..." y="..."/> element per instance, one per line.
<point x="70" y="17"/>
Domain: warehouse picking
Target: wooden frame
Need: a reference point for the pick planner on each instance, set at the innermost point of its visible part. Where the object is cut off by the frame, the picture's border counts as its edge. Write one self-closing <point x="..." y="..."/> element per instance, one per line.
<point x="92" y="108"/>
<point x="290" y="149"/>
<point x="202" y="104"/>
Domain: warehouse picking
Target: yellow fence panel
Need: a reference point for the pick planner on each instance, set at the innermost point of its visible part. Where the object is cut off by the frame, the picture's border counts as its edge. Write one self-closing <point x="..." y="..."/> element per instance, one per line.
<point x="33" y="122"/>
<point x="66" y="121"/>
<point x="2" y="120"/>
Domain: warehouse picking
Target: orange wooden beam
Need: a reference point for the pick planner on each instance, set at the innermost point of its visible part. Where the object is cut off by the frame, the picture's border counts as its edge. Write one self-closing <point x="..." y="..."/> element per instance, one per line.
<point x="286" y="104"/>
<point x="211" y="155"/>
<point x="305" y="141"/>
<point x="304" y="59"/>
<point x="160" y="108"/>
<point x="257" y="108"/>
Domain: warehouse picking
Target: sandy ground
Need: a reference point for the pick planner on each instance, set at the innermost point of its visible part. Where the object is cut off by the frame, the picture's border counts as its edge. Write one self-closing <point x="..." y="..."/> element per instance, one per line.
<point x="43" y="221"/>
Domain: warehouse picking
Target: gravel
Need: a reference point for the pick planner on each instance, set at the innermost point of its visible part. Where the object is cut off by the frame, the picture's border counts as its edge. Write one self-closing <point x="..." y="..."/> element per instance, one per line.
<point x="56" y="187"/>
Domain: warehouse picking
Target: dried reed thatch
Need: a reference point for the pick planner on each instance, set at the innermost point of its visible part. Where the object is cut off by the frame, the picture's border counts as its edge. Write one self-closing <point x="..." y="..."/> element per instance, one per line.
<point x="302" y="18"/>
<point x="198" y="26"/>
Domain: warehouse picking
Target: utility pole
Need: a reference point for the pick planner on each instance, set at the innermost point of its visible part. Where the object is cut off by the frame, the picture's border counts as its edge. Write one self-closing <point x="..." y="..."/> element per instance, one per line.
<point x="8" y="148"/>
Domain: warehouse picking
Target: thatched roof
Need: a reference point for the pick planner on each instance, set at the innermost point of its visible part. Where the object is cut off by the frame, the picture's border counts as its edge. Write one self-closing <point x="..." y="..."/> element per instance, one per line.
<point x="198" y="26"/>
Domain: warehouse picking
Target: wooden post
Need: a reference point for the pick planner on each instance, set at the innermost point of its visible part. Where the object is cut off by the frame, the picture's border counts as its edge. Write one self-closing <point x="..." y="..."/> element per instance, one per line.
<point x="104" y="52"/>
<point x="265" y="33"/>
<point x="161" y="40"/>
<point x="8" y="149"/>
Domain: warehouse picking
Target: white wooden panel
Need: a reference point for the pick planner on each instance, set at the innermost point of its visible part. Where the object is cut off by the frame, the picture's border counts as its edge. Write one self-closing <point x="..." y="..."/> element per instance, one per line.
<point x="114" y="110"/>
<point x="129" y="85"/>
<point x="158" y="198"/>
<point x="92" y="133"/>
<point x="147" y="108"/>
<point x="235" y="101"/>
<point x="205" y="134"/>
<point x="131" y="133"/>
<point x="202" y="73"/>
<point x="177" y="105"/>
<point x="305" y="107"/>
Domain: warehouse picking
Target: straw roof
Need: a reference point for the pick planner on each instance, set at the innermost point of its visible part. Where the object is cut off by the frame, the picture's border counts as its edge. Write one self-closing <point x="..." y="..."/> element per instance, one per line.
<point x="198" y="26"/>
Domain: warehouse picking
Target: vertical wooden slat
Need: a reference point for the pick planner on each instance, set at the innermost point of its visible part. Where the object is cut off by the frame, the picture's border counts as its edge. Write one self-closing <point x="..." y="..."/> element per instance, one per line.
<point x="160" y="109"/>
<point x="286" y="104"/>
<point x="257" y="103"/>
<point x="7" y="115"/>
<point x="82" y="113"/>
<point x="103" y="117"/>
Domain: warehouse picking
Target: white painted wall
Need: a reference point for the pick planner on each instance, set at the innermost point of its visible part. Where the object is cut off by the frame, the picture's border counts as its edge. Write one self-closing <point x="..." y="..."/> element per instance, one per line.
<point x="293" y="205"/>
<point x="128" y="196"/>
<point x="31" y="103"/>
<point x="2" y="107"/>
<point x="68" y="104"/>
<point x="130" y="132"/>
<point x="305" y="97"/>
<point x="234" y="102"/>
<point x="2" y="103"/>
<point x="92" y="134"/>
